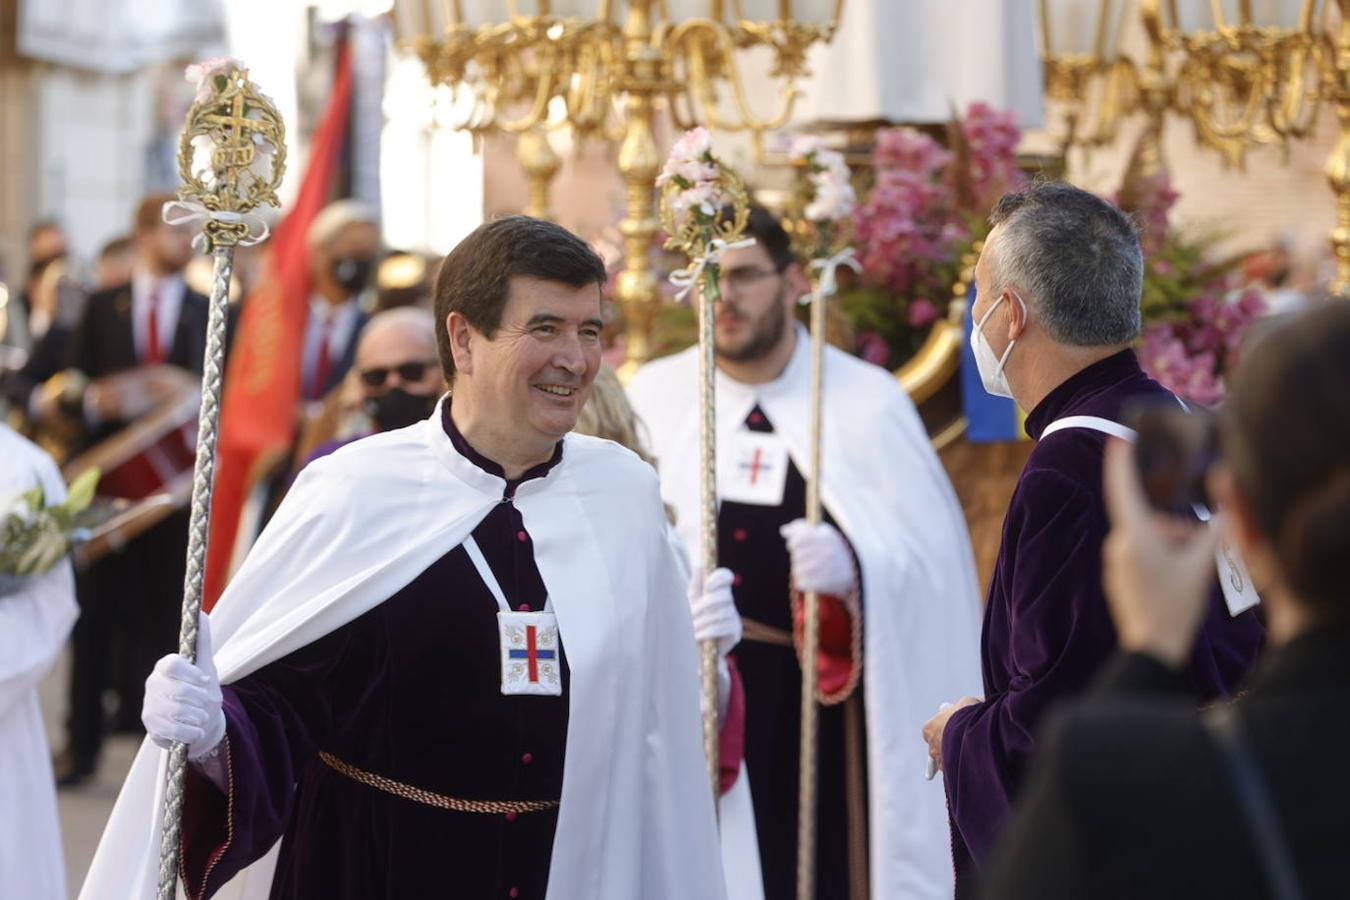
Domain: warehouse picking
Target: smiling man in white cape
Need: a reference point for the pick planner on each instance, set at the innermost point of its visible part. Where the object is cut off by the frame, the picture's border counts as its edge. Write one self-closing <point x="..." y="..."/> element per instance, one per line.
<point x="460" y="658"/>
<point x="900" y="612"/>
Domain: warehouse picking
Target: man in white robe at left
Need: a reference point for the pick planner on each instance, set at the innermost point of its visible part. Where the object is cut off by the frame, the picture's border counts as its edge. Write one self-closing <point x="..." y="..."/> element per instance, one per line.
<point x="36" y="615"/>
<point x="460" y="660"/>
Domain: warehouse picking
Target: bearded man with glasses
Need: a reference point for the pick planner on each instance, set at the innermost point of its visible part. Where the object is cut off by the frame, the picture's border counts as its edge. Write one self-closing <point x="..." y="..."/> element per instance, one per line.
<point x="892" y="563"/>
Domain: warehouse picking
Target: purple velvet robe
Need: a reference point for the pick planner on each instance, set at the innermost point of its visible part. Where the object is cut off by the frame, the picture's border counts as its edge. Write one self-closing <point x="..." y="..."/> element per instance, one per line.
<point x="748" y="543"/>
<point x="410" y="691"/>
<point x="1047" y="628"/>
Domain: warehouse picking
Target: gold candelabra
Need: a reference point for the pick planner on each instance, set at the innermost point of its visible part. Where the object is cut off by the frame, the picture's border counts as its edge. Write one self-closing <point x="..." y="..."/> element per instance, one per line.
<point x="1243" y="72"/>
<point x="530" y="66"/>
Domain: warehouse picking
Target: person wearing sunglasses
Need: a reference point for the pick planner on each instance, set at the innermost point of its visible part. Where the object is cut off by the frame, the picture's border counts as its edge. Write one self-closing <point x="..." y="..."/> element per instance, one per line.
<point x="396" y="368"/>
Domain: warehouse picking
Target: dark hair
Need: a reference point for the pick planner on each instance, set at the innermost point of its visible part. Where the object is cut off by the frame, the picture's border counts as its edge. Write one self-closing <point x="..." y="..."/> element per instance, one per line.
<point x="150" y="212"/>
<point x="116" y="246"/>
<point x="1286" y="435"/>
<point x="1078" y="259"/>
<point x="42" y="225"/>
<point x="768" y="232"/>
<point x="475" y="278"/>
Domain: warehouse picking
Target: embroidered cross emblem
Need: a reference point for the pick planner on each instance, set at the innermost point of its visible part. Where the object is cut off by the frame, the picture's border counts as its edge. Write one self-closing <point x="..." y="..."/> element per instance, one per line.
<point x="756" y="465"/>
<point x="532" y="654"/>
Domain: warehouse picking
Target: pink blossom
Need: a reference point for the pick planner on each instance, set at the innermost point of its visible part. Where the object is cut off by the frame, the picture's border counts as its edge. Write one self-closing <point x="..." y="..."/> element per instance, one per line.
<point x="872" y="347"/>
<point x="199" y="74"/>
<point x="922" y="313"/>
<point x="690" y="160"/>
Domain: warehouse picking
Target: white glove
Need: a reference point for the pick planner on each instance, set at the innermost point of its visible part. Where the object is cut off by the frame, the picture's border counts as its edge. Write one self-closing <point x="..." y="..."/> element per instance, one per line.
<point x="714" y="609"/>
<point x="821" y="560"/>
<point x="182" y="701"/>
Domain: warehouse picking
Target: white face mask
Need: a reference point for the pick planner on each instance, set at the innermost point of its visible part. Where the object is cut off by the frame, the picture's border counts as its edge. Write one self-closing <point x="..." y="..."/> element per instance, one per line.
<point x="990" y="366"/>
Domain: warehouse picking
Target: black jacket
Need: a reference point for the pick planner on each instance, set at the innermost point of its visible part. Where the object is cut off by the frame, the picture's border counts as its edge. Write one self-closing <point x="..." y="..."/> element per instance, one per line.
<point x="104" y="340"/>
<point x="1129" y="798"/>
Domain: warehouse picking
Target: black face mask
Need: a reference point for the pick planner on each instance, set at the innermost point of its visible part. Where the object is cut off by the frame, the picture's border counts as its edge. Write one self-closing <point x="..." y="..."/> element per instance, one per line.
<point x="353" y="273"/>
<point x="396" y="408"/>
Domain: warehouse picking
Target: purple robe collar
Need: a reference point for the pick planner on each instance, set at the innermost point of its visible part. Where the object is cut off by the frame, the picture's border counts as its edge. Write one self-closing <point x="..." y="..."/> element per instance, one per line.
<point x="489" y="466"/>
<point x="1102" y="376"/>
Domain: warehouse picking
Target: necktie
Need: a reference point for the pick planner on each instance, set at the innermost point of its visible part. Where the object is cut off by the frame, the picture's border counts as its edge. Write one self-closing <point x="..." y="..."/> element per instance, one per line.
<point x="152" y="354"/>
<point x="322" y="365"/>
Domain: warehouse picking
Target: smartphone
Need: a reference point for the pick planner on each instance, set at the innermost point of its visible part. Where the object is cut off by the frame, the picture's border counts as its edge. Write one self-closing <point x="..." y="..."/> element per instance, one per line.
<point x="1175" y="451"/>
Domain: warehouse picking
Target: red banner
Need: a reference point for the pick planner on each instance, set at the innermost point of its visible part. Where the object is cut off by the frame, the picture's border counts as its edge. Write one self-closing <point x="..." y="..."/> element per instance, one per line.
<point x="262" y="380"/>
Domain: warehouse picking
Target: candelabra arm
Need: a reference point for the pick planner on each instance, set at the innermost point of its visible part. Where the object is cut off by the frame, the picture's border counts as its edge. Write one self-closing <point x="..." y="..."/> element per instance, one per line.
<point x="693" y="35"/>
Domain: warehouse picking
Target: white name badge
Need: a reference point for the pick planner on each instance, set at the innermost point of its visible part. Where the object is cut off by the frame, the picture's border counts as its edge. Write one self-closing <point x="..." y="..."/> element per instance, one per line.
<point x="758" y="471"/>
<point x="1238" y="592"/>
<point x="530" y="654"/>
<point x="1234" y="581"/>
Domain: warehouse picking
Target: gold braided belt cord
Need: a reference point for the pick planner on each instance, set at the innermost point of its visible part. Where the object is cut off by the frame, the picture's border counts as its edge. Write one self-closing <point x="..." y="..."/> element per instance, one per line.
<point x="430" y="798"/>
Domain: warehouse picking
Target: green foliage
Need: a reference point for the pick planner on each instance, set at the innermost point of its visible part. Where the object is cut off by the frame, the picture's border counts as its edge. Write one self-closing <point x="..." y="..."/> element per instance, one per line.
<point x="34" y="536"/>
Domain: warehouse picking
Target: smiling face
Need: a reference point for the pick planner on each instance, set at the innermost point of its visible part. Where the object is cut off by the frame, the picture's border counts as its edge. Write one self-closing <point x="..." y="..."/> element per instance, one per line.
<point x="529" y="381"/>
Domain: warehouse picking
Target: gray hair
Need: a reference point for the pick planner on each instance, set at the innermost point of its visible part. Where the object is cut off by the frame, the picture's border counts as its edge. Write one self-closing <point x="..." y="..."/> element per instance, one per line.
<point x="1078" y="260"/>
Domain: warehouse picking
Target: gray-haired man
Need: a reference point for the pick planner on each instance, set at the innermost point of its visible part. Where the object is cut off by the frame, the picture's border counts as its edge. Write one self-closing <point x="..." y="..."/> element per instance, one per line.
<point x="1058" y="286"/>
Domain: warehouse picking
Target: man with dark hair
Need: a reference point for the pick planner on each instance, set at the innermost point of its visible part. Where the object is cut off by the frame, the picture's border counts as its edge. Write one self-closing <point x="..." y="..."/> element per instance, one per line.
<point x="138" y="344"/>
<point x="1057" y="307"/>
<point x="892" y="562"/>
<point x="459" y="658"/>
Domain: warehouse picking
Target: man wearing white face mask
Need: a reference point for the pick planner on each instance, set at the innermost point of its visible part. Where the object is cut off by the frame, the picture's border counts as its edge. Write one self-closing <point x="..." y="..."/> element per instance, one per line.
<point x="1058" y="286"/>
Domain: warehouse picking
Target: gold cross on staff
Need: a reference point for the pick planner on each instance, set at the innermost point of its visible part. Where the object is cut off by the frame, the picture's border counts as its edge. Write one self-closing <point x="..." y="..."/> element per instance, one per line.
<point x="234" y="149"/>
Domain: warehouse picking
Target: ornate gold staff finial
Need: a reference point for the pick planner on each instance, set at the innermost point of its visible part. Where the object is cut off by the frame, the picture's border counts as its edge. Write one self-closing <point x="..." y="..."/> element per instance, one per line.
<point x="231" y="159"/>
<point x="232" y="154"/>
<point x="696" y="191"/>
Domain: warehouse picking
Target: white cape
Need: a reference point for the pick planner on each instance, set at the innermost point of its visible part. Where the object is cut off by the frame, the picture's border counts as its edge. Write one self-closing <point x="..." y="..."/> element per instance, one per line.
<point x="636" y="818"/>
<point x="34" y="622"/>
<point x="890" y="495"/>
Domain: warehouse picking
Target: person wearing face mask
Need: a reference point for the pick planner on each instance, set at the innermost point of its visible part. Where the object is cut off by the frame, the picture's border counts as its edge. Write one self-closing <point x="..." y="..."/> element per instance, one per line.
<point x="460" y="659"/>
<point x="891" y="561"/>
<point x="395" y="382"/>
<point x="1058" y="286"/>
<point x="1134" y="796"/>
<point x="344" y="240"/>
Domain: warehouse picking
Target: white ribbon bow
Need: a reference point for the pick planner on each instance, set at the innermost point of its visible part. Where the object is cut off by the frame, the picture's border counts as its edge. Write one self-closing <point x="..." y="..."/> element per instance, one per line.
<point x="827" y="267"/>
<point x="176" y="212"/>
<point x="686" y="278"/>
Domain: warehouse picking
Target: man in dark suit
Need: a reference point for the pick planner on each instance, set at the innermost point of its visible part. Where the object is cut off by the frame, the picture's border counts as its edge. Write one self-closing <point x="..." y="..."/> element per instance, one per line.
<point x="344" y="241"/>
<point x="129" y="601"/>
<point x="1134" y="795"/>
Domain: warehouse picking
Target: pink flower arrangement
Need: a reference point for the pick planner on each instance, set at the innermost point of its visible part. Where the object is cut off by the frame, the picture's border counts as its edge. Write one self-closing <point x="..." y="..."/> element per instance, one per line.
<point x="1189" y="355"/>
<point x="909" y="222"/>
<point x="991" y="138"/>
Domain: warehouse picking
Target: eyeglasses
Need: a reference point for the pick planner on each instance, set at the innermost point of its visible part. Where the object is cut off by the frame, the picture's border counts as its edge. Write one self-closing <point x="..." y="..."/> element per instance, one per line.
<point x="408" y="371"/>
<point x="741" y="280"/>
